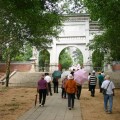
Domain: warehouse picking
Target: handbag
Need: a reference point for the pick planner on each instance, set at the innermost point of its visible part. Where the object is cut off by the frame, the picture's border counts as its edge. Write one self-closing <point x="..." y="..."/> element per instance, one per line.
<point x="105" y="90"/>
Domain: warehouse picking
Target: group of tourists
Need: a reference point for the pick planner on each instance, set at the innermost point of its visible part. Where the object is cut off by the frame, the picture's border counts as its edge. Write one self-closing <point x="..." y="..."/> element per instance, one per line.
<point x="106" y="86"/>
<point x="72" y="90"/>
<point x="68" y="86"/>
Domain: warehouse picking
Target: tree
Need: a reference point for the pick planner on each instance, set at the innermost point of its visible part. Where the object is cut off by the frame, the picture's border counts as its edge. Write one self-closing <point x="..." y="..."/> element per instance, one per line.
<point x="44" y="59"/>
<point x="78" y="57"/>
<point x="65" y="59"/>
<point x="71" y="6"/>
<point x="24" y="54"/>
<point x="97" y="59"/>
<point x="24" y="21"/>
<point x="107" y="13"/>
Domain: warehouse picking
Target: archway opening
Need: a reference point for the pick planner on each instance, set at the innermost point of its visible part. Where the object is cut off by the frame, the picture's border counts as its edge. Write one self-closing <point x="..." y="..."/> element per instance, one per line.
<point x="44" y="60"/>
<point x="71" y="58"/>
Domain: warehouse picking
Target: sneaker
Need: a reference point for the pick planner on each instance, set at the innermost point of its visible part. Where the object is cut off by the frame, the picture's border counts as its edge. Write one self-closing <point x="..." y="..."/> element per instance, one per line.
<point x="106" y="110"/>
<point x="109" y="112"/>
<point x="42" y="105"/>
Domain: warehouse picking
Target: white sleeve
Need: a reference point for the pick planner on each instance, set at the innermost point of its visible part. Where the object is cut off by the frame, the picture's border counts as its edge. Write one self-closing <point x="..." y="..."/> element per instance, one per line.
<point x="113" y="86"/>
<point x="103" y="85"/>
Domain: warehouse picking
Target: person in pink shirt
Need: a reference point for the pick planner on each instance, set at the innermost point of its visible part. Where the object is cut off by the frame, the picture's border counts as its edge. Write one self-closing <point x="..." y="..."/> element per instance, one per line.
<point x="42" y="90"/>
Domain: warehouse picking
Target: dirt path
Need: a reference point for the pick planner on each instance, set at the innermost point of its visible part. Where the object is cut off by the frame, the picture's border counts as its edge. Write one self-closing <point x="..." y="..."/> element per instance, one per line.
<point x="15" y="101"/>
<point x="92" y="107"/>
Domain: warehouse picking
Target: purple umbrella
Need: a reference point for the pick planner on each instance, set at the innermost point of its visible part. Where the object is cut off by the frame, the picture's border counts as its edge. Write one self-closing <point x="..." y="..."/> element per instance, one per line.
<point x="80" y="76"/>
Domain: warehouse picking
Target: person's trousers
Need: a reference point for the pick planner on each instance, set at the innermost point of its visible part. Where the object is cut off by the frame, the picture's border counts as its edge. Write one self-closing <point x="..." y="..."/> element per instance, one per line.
<point x="63" y="93"/>
<point x="71" y="97"/>
<point x="110" y="99"/>
<point x="55" y="87"/>
<point x="49" y="89"/>
<point x="92" y="89"/>
<point x="79" y="88"/>
<point x="100" y="87"/>
<point x="42" y="96"/>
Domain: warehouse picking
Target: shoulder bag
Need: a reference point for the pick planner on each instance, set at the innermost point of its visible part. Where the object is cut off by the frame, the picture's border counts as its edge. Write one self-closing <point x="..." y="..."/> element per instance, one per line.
<point x="105" y="90"/>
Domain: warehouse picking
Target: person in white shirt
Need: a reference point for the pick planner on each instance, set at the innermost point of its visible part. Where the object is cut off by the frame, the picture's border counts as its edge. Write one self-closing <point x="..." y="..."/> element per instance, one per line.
<point x="48" y="79"/>
<point x="109" y="85"/>
<point x="103" y="74"/>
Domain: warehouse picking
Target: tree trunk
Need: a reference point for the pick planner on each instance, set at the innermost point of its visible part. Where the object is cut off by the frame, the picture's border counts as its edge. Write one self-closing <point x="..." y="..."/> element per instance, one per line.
<point x="7" y="70"/>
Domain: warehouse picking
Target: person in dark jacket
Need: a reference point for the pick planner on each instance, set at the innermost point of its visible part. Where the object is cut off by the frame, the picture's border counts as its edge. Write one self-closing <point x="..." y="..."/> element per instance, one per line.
<point x="55" y="84"/>
<point x="63" y="87"/>
<point x="79" y="89"/>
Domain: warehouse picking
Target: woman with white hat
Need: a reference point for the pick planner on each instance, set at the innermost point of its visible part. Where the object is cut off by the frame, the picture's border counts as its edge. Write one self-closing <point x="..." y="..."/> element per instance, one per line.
<point x="71" y="89"/>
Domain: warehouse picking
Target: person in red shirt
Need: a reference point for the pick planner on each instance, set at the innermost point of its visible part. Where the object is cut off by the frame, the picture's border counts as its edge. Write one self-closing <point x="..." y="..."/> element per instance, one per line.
<point x="42" y="90"/>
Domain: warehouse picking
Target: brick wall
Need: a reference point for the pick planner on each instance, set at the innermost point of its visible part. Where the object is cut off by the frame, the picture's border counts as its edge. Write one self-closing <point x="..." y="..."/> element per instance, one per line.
<point x="116" y="67"/>
<point x="21" y="67"/>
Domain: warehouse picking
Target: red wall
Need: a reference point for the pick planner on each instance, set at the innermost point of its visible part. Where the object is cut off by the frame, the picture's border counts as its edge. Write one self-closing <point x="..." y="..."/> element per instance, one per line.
<point x="116" y="67"/>
<point x="21" y="67"/>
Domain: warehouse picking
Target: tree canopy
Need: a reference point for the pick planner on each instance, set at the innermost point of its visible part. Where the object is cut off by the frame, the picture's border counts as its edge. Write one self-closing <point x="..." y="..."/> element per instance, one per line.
<point x="24" y="20"/>
<point x="65" y="59"/>
<point x="107" y="13"/>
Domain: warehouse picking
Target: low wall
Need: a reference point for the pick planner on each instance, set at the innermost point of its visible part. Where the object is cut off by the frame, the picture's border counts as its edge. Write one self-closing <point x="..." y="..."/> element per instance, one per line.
<point x="21" y="67"/>
<point x="115" y="77"/>
<point x="116" y="67"/>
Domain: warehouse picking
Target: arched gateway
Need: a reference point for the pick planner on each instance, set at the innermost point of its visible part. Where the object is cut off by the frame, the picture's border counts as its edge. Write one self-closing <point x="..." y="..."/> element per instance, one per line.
<point x="77" y="32"/>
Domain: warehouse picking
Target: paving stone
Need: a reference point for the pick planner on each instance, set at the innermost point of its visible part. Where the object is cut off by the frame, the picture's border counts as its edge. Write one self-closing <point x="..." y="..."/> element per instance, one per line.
<point x="54" y="109"/>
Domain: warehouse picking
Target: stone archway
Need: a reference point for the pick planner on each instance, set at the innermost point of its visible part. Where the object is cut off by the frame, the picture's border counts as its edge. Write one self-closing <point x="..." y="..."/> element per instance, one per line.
<point x="78" y="31"/>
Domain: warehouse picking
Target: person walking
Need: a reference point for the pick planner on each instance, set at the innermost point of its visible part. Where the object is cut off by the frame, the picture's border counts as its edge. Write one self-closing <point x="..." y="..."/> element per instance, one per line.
<point x="42" y="90"/>
<point x="48" y="79"/>
<point x="100" y="80"/>
<point x="55" y="84"/>
<point x="63" y="87"/>
<point x="89" y="82"/>
<point x="79" y="88"/>
<point x="71" y="89"/>
<point x="103" y="74"/>
<point x="109" y="86"/>
<point x="93" y="82"/>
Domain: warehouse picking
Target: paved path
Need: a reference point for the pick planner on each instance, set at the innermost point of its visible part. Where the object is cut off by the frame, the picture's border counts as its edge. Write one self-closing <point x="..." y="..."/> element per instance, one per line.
<point x="54" y="109"/>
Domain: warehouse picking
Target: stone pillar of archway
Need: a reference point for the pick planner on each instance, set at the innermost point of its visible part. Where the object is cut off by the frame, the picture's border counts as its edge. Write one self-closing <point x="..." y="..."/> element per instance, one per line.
<point x="87" y="63"/>
<point x="53" y="57"/>
<point x="35" y="59"/>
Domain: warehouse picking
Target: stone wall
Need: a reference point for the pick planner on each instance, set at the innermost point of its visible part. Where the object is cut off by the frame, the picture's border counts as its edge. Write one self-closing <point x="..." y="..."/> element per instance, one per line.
<point x="115" y="77"/>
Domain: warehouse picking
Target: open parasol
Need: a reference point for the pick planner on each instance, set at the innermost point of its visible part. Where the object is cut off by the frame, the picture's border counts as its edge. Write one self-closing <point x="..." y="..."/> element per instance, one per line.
<point x="80" y="76"/>
<point x="57" y="74"/>
<point x="65" y="73"/>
